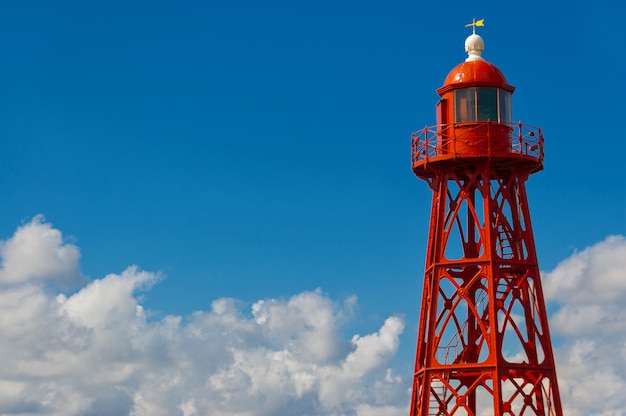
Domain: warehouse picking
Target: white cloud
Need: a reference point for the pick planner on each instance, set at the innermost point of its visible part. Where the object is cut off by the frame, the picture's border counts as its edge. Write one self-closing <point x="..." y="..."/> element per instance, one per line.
<point x="589" y="289"/>
<point x="95" y="352"/>
<point x="593" y="275"/>
<point x="37" y="252"/>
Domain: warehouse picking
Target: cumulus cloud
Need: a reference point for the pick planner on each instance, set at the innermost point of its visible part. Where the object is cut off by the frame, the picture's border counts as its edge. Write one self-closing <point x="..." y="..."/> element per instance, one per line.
<point x="96" y="352"/>
<point x="588" y="290"/>
<point x="38" y="252"/>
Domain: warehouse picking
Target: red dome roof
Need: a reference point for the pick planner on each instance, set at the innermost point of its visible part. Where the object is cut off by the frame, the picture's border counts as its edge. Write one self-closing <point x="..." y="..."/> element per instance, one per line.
<point x="475" y="73"/>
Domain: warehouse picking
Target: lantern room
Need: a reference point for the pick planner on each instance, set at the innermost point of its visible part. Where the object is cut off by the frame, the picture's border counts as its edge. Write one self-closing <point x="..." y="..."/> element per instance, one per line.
<point x="474" y="114"/>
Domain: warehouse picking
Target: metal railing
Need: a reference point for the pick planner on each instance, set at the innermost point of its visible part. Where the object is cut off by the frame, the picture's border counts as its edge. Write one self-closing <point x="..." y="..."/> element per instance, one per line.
<point x="435" y="141"/>
<point x="452" y="352"/>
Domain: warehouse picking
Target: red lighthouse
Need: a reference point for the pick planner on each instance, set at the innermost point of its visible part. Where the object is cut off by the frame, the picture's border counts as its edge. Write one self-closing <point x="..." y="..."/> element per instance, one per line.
<point x="483" y="343"/>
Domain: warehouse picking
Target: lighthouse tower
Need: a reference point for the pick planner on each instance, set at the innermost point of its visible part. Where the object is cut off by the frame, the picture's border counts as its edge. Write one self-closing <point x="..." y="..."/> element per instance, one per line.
<point x="483" y="343"/>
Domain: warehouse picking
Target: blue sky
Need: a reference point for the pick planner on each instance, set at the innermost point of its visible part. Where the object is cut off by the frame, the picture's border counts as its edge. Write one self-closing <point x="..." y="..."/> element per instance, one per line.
<point x="260" y="150"/>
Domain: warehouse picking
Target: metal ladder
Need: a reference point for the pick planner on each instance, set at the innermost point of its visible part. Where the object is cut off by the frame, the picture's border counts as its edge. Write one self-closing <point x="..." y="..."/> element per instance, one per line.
<point x="438" y="389"/>
<point x="504" y="244"/>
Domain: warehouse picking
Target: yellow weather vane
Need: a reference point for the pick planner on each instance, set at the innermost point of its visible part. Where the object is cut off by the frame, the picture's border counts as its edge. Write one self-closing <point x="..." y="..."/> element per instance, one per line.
<point x="475" y="23"/>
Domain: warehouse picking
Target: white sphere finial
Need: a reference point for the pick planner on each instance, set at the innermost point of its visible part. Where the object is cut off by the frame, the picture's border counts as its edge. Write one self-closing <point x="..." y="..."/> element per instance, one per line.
<point x="474" y="44"/>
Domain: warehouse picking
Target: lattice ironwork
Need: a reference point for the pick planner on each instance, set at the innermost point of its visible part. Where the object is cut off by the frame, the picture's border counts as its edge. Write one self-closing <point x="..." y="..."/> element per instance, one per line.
<point x="483" y="342"/>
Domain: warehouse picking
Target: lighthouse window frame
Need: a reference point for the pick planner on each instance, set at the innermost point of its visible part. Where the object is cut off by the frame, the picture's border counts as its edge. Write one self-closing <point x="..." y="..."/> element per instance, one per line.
<point x="487" y="104"/>
<point x="482" y="104"/>
<point x="504" y="104"/>
<point x="465" y="105"/>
